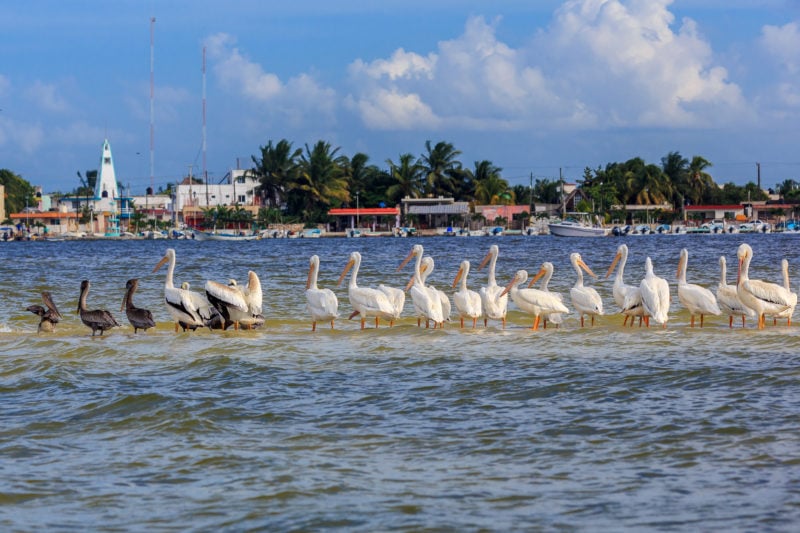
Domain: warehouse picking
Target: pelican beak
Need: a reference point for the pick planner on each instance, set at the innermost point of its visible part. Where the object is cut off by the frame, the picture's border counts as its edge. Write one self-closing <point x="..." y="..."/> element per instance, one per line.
<point x="409" y="284"/>
<point x="508" y="287"/>
<point x="458" y="277"/>
<point x="613" y="264"/>
<point x="308" y="279"/>
<point x="347" y="268"/>
<point x="535" y="278"/>
<point x="405" y="261"/>
<point x="485" y="260"/>
<point x="678" y="272"/>
<point x="588" y="270"/>
<point x="161" y="263"/>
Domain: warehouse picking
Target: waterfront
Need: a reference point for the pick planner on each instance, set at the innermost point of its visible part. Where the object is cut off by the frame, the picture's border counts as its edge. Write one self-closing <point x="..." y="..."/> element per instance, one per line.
<point x="404" y="428"/>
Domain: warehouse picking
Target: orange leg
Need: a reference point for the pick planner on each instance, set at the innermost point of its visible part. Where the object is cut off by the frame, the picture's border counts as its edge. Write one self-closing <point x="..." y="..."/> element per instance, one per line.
<point x="314" y="326"/>
<point x="692" y="321"/>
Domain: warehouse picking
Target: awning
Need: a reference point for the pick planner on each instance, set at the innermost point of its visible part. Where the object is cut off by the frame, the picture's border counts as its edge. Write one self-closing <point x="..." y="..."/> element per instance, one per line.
<point x="457" y="208"/>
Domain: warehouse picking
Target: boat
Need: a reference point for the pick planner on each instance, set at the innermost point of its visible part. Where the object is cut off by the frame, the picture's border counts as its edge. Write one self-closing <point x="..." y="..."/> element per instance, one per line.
<point x="313" y="233"/>
<point x="353" y="233"/>
<point x="214" y="235"/>
<point x="570" y="227"/>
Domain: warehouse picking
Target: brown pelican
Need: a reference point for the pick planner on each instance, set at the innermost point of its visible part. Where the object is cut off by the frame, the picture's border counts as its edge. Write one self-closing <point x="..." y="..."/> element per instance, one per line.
<point x="189" y="310"/>
<point x="239" y="306"/>
<point x="139" y="318"/>
<point x="48" y="317"/>
<point x="99" y="319"/>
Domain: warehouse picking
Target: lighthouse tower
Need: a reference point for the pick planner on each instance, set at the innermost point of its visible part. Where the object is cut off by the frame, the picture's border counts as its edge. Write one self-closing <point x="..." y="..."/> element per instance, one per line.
<point x="105" y="191"/>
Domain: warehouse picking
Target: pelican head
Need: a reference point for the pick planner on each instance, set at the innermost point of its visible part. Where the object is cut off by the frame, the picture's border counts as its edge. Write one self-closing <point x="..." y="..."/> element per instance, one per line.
<point x="519" y="278"/>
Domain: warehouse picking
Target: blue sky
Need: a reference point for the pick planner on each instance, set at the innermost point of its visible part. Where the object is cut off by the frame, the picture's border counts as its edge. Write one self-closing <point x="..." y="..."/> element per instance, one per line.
<point x="533" y="86"/>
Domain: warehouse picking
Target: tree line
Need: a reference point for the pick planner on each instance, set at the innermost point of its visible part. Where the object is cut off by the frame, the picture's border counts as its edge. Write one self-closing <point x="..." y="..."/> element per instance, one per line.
<point x="304" y="183"/>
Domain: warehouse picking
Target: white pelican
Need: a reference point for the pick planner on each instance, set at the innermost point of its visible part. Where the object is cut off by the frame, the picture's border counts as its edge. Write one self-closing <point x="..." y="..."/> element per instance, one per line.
<point x="397" y="297"/>
<point x="627" y="297"/>
<point x="728" y="299"/>
<point x="792" y="295"/>
<point x="188" y="309"/>
<point x="495" y="306"/>
<point x="585" y="300"/>
<point x="655" y="296"/>
<point x="366" y="302"/>
<point x="533" y="301"/>
<point x="99" y="319"/>
<point x="322" y="304"/>
<point x="427" y="303"/>
<point x="698" y="300"/>
<point x="48" y="318"/>
<point x="239" y="306"/>
<point x="761" y="296"/>
<point x="138" y="317"/>
<point x="426" y="270"/>
<point x="468" y="303"/>
<point x="546" y="273"/>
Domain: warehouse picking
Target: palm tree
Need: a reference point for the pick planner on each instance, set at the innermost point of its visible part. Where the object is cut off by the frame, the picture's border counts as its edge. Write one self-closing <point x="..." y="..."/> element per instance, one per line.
<point x="321" y="178"/>
<point x="407" y="176"/>
<point x="440" y="165"/>
<point x="700" y="182"/>
<point x="276" y="170"/>
<point x="489" y="185"/>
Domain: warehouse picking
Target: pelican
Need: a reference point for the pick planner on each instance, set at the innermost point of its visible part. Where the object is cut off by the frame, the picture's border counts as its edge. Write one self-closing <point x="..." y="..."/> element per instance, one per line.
<point x="468" y="303"/>
<point x="49" y="317"/>
<point x="322" y="303"/>
<point x="239" y="306"/>
<point x="426" y="270"/>
<point x="494" y="305"/>
<point x="99" y="319"/>
<point x="585" y="300"/>
<point x="792" y="295"/>
<point x="427" y="302"/>
<point x="698" y="300"/>
<point x="139" y="318"/>
<point x="627" y="297"/>
<point x="546" y="273"/>
<point x="533" y="301"/>
<point x="761" y="296"/>
<point x="188" y="309"/>
<point x="728" y="299"/>
<point x="365" y="301"/>
<point x="655" y="296"/>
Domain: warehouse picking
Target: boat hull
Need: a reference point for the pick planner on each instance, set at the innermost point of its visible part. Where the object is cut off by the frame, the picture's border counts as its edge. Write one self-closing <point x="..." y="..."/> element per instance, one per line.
<point x="569" y="230"/>
<point x="216" y="236"/>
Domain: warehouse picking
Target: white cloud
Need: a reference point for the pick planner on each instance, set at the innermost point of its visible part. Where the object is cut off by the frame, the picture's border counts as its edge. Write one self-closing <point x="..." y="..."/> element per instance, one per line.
<point x="783" y="44"/>
<point x="299" y="98"/>
<point x="46" y="96"/>
<point x="600" y="63"/>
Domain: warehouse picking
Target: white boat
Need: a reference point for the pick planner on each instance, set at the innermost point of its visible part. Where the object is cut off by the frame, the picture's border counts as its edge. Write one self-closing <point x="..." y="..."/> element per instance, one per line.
<point x="353" y="233"/>
<point x="224" y="236"/>
<point x="572" y="228"/>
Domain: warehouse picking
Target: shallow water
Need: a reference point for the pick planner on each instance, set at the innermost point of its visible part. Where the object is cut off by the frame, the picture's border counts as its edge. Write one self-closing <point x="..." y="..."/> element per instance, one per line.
<point x="603" y="428"/>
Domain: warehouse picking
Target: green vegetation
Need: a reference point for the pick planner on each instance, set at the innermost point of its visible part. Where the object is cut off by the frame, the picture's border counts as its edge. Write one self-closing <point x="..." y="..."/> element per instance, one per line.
<point x="302" y="184"/>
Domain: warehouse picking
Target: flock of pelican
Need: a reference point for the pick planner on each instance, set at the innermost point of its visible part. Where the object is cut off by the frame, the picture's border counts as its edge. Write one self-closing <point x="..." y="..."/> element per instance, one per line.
<point x="226" y="305"/>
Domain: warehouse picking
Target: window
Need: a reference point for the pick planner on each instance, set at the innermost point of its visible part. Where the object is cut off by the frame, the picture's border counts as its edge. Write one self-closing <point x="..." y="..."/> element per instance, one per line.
<point x="242" y="199"/>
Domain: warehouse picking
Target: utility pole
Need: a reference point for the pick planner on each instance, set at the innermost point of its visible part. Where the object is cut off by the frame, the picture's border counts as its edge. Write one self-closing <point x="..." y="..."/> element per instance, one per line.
<point x="563" y="198"/>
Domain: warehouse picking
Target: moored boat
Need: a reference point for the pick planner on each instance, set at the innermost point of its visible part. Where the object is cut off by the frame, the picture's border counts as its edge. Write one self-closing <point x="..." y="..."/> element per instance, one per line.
<point x="572" y="228"/>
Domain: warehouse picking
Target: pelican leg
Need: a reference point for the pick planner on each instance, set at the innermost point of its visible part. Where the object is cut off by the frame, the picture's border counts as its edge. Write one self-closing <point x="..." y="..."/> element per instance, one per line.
<point x="592" y="320"/>
<point x="536" y="323"/>
<point x="485" y="322"/>
<point x="692" y="321"/>
<point x="646" y="322"/>
<point x="462" y="322"/>
<point x="391" y="323"/>
<point x="376" y="322"/>
<point x="419" y="322"/>
<point x="774" y="321"/>
<point x="314" y="325"/>
<point x="742" y="320"/>
<point x="581" y="320"/>
<point x="504" y="322"/>
<point x="701" y="319"/>
<point x="625" y="322"/>
<point x="730" y="321"/>
<point x="363" y="322"/>
<point x="354" y="313"/>
<point x="474" y="322"/>
<point x="176" y="327"/>
<point x="331" y="324"/>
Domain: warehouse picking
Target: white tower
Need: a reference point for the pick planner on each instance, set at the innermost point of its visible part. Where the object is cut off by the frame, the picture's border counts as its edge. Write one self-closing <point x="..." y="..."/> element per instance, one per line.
<point x="105" y="191"/>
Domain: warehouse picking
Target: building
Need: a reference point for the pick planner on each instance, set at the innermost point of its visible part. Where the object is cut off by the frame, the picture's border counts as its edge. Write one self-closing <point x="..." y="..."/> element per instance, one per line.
<point x="238" y="188"/>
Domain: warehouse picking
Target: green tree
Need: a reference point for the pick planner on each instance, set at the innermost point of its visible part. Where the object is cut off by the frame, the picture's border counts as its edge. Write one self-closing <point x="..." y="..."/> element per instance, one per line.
<point x="700" y="182"/>
<point x="19" y="193"/>
<point x="276" y="170"/>
<point x="489" y="184"/>
<point x="441" y="168"/>
<point x="321" y="180"/>
<point x="407" y="178"/>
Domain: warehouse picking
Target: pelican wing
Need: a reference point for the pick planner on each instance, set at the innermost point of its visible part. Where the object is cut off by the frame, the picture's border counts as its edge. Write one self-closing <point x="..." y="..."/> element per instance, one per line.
<point x="253" y="293"/>
<point x="770" y="293"/>
<point x="698" y="299"/>
<point x="655" y="298"/>
<point x="587" y="300"/>
<point x="371" y="302"/>
<point x="632" y="301"/>
<point x="397" y="297"/>
<point x="48" y="301"/>
<point x="468" y="303"/>
<point x="322" y="303"/>
<point x="729" y="301"/>
<point x="494" y="305"/>
<point x="227" y="295"/>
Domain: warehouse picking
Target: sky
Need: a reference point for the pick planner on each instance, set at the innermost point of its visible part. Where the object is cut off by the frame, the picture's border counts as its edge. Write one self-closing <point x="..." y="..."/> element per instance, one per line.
<point x="540" y="88"/>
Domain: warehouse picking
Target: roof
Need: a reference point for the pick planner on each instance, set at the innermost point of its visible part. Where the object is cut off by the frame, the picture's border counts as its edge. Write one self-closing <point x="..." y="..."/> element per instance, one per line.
<point x="730" y="207"/>
<point x="457" y="208"/>
<point x="363" y="211"/>
<point x="45" y="214"/>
